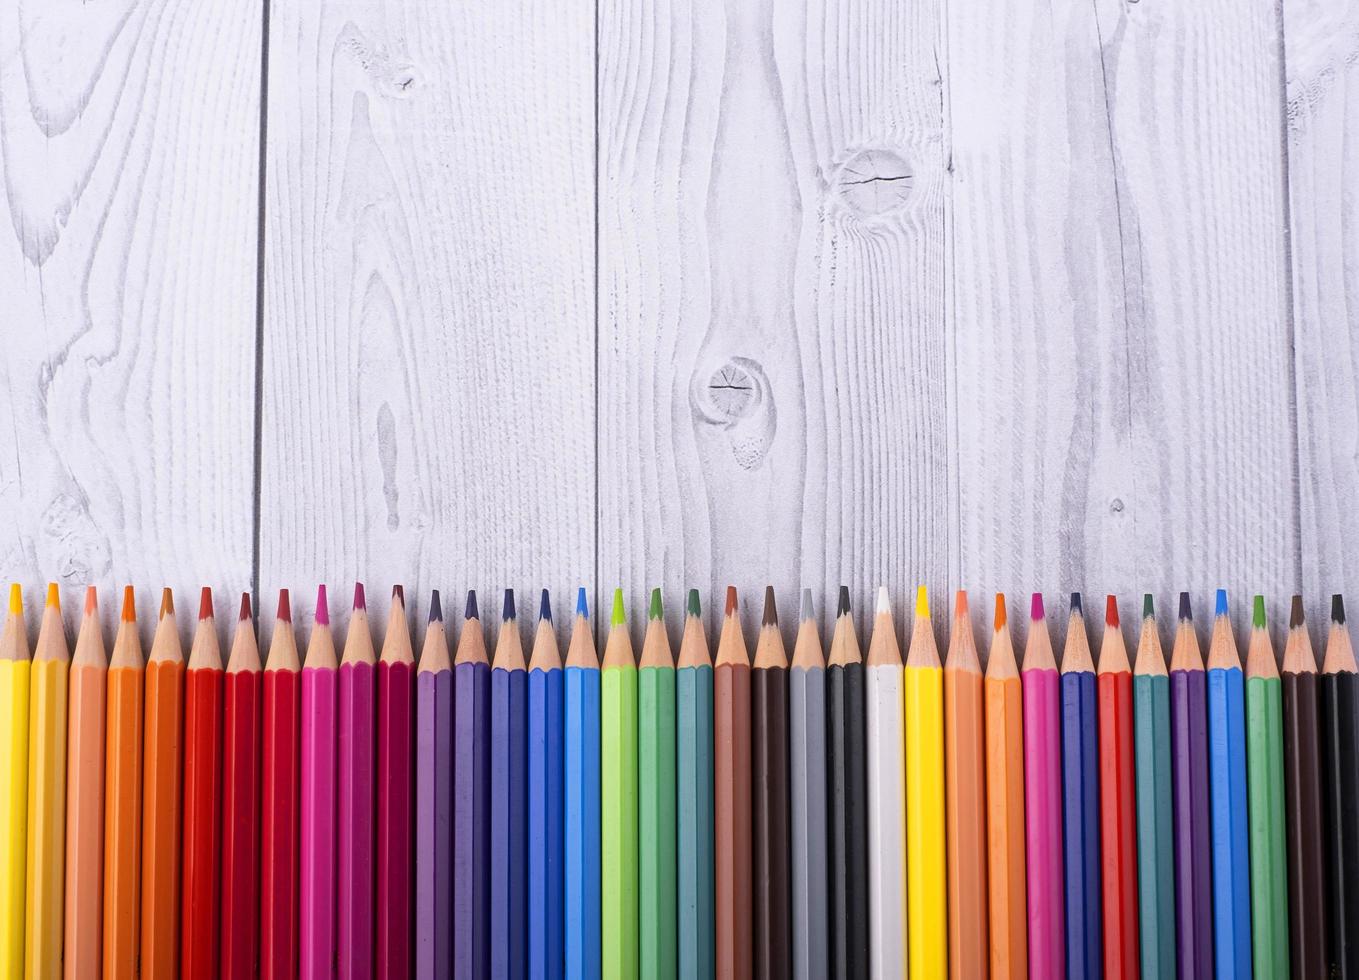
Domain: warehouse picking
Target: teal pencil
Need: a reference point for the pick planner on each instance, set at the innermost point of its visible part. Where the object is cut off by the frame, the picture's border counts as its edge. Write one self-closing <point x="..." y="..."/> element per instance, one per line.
<point x="694" y="782"/>
<point x="1155" y="845"/>
<point x="656" y="913"/>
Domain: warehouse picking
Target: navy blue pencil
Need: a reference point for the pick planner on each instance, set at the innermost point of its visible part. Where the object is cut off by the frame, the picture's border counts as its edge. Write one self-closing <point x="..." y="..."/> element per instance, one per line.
<point x="471" y="800"/>
<point x="546" y="953"/>
<point x="1080" y="801"/>
<point x="509" y="799"/>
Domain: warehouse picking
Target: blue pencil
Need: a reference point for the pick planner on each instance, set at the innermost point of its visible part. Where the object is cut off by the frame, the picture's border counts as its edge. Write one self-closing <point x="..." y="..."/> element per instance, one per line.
<point x="1080" y="802"/>
<point x="546" y="952"/>
<point x="582" y="940"/>
<point x="509" y="789"/>
<point x="1227" y="796"/>
<point x="471" y="800"/>
<point x="694" y="799"/>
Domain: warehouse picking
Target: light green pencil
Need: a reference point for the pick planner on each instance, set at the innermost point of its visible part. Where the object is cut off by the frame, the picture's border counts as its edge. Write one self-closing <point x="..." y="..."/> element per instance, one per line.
<point x="656" y="799"/>
<point x="618" y="801"/>
<point x="1265" y="783"/>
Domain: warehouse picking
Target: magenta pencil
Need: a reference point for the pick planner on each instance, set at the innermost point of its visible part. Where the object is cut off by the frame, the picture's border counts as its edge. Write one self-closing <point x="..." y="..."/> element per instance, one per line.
<point x="316" y="921"/>
<point x="1043" y="799"/>
<point x="357" y="781"/>
<point x="395" y="793"/>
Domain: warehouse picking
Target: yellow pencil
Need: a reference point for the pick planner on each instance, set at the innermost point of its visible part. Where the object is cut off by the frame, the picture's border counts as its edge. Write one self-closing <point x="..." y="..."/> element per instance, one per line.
<point x="14" y="668"/>
<point x="47" y="793"/>
<point x="926" y="871"/>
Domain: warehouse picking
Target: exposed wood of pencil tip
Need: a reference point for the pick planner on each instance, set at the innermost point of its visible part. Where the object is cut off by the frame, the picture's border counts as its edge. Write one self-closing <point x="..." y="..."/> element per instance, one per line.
<point x="1260" y="660"/>
<point x="358" y="640"/>
<point x="656" y="642"/>
<point x="844" y="649"/>
<point x="472" y="637"/>
<point x="1222" y="651"/>
<point x="434" y="650"/>
<point x="883" y="648"/>
<point x="693" y="651"/>
<point x="1339" y="650"/>
<point x="396" y="642"/>
<point x="1076" y="656"/>
<point x="14" y="639"/>
<point x="89" y="648"/>
<point x="546" y="655"/>
<point x="618" y="645"/>
<point x="509" y="642"/>
<point x="770" y="652"/>
<point x="283" y="642"/>
<point x="580" y="652"/>
<point x="51" y="645"/>
<point x="127" y="644"/>
<point x="1113" y="651"/>
<point x="962" y="654"/>
<point x="321" y="643"/>
<point x="1038" y="647"/>
<point x="1298" y="657"/>
<point x="731" y="643"/>
<point x="165" y="645"/>
<point x="1151" y="660"/>
<point x="1186" y="654"/>
<point x="245" y="650"/>
<point x="205" y="652"/>
<point x="807" y="650"/>
<point x="1001" y="663"/>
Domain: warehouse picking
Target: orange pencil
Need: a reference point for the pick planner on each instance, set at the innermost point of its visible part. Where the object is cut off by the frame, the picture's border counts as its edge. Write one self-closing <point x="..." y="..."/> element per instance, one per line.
<point x="85" y="797"/>
<point x="1006" y="874"/>
<point x="123" y="798"/>
<point x="202" y="797"/>
<point x="161" y="754"/>
<point x="965" y="799"/>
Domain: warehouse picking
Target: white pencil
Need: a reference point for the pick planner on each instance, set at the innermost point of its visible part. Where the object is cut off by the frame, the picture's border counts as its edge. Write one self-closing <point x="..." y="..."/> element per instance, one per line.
<point x="886" y="797"/>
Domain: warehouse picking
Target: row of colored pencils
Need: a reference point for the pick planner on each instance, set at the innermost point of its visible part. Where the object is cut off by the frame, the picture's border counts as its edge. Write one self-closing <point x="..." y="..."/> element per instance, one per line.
<point x="480" y="813"/>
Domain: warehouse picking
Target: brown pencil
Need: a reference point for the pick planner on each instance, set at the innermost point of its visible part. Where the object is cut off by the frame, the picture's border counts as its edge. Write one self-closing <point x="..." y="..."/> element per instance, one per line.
<point x="965" y="799"/>
<point x="731" y="797"/>
<point x="769" y="775"/>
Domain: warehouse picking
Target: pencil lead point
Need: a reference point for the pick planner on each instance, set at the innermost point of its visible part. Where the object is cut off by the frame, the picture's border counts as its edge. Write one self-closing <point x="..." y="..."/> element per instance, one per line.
<point x="619" y="617"/>
<point x="771" y="612"/>
<point x="731" y="600"/>
<point x="1338" y="609"/>
<point x="16" y="599"/>
<point x="695" y="609"/>
<point x="1295" y="613"/>
<point x="91" y="600"/>
<point x="582" y="605"/>
<point x="205" y="603"/>
<point x="1036" y="607"/>
<point x="360" y="597"/>
<point x="399" y="594"/>
<point x="471" y="610"/>
<point x="1220" y="603"/>
<point x="808" y="611"/>
<point x="322" y="614"/>
<point x="1148" y="606"/>
<point x="285" y="607"/>
<point x="657" y="611"/>
<point x="54" y="596"/>
<point x="129" y="604"/>
<point x="545" y="607"/>
<point x="508" y="612"/>
<point x="245" y="606"/>
<point x="436" y="607"/>
<point x="1185" y="612"/>
<point x="1077" y="607"/>
<point x="960" y="604"/>
<point x="1111" y="611"/>
<point x="167" y="602"/>
<point x="922" y="603"/>
<point x="842" y="607"/>
<point x="1001" y="617"/>
<point x="1257" y="618"/>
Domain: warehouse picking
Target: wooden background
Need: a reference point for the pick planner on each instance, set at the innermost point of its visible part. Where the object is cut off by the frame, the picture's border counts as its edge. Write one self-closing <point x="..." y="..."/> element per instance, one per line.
<point x="1004" y="294"/>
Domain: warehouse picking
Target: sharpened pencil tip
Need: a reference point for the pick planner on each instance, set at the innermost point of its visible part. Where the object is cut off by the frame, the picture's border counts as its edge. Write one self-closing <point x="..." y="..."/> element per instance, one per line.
<point x="1077" y="607"/>
<point x="694" y="608"/>
<point x="1001" y="617"/>
<point x="1148" y="606"/>
<point x="960" y="604"/>
<point x="1185" y="611"/>
<point x="399" y="594"/>
<point x="1111" y="611"/>
<point x="545" y="607"/>
<point x="731" y="600"/>
<point x="129" y="604"/>
<point x="808" y="610"/>
<point x="471" y="610"/>
<point x="770" y="617"/>
<point x="1220" y="603"/>
<point x="16" y="599"/>
<point x="436" y="607"/>
<point x="619" y="615"/>
<point x="91" y="600"/>
<point x="167" y="602"/>
<point x="322" y="614"/>
<point x="655" y="610"/>
<point x="1036" y="607"/>
<point x="582" y="605"/>
<point x="1295" y="613"/>
<point x="285" y="607"/>
<point x="360" y="597"/>
<point x="1257" y="617"/>
<point x="1338" y="609"/>
<point x="508" y="611"/>
<point x="54" y="596"/>
<point x="245" y="607"/>
<point x="205" y="603"/>
<point x="922" y="603"/>
<point x="842" y="607"/>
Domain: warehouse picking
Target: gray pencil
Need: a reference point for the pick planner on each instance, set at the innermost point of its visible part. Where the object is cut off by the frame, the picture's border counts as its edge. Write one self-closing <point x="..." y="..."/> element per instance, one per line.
<point x="807" y="758"/>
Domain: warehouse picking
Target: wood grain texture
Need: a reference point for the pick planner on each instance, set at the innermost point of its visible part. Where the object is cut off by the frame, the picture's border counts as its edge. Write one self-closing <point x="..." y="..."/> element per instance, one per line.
<point x="428" y="399"/>
<point x="1120" y="324"/>
<point x="772" y="390"/>
<point x="129" y="145"/>
<point x="1322" y="56"/>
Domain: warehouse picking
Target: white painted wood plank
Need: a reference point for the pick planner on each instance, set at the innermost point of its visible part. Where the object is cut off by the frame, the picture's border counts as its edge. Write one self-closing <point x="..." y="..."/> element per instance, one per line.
<point x="772" y="282"/>
<point x="429" y="327"/>
<point x="130" y="139"/>
<point x="1322" y="55"/>
<point x="1122" y="343"/>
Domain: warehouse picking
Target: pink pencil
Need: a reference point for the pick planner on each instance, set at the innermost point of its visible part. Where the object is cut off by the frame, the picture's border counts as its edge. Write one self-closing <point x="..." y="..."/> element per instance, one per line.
<point x="316" y="924"/>
<point x="395" y="794"/>
<point x="1043" y="798"/>
<point x="357" y="771"/>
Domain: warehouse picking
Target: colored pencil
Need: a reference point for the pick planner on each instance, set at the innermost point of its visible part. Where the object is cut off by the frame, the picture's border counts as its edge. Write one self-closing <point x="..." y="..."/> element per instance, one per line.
<point x="694" y="797"/>
<point x="509" y="777"/>
<point x="1117" y="801"/>
<point x="1308" y="927"/>
<point x="395" y="794"/>
<point x="581" y="799"/>
<point x="888" y="795"/>
<point x="545" y="888"/>
<point x="316" y="833"/>
<point x="618" y="798"/>
<point x="356" y="768"/>
<point x="123" y="798"/>
<point x="769" y="799"/>
<point x="657" y="948"/>
<point x="848" y="789"/>
<point x="82" y="922"/>
<point x="1080" y="801"/>
<point x="807" y="783"/>
<point x="731" y="796"/>
<point x="471" y="800"/>
<point x="48" y="682"/>
<point x="1155" y="831"/>
<point x="1043" y="798"/>
<point x="14" y="691"/>
<point x="200" y="951"/>
<point x="1227" y="798"/>
<point x="1265" y="778"/>
<point x="1339" y="710"/>
<point x="434" y="801"/>
<point x="926" y="849"/>
<point x="279" y="780"/>
<point x="1190" y="812"/>
<point x="162" y="794"/>
<point x="241" y="710"/>
<point x="1005" y="826"/>
<point x="965" y="799"/>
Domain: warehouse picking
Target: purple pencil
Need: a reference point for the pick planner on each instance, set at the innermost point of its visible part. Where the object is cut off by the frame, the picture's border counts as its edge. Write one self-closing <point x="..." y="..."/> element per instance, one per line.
<point x="471" y="801"/>
<point x="357" y="773"/>
<point x="1189" y="778"/>
<point x="434" y="802"/>
<point x="316" y="926"/>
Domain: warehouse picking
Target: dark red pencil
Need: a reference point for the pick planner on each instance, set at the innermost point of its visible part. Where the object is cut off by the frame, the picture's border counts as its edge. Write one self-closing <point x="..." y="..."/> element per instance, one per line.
<point x="202" y="794"/>
<point x="396" y="795"/>
<point x="241" y="802"/>
<point x="279" y="801"/>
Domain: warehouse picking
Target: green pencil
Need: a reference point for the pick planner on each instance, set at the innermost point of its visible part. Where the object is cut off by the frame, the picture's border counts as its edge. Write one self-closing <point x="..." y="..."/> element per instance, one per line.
<point x="656" y="799"/>
<point x="618" y="800"/>
<point x="1264" y="776"/>
<point x="694" y="785"/>
<point x="1155" y="847"/>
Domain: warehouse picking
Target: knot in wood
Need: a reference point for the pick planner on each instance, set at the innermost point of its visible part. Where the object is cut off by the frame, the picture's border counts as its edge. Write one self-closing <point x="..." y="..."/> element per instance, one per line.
<point x="874" y="182"/>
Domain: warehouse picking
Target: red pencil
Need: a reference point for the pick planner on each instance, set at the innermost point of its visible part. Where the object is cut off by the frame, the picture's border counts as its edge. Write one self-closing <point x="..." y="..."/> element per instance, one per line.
<point x="241" y="802"/>
<point x="202" y="795"/>
<point x="395" y="794"/>
<point x="1117" y="809"/>
<point x="279" y="801"/>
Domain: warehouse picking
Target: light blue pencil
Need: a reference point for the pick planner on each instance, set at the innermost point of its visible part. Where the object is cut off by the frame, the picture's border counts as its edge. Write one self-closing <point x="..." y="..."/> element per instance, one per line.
<point x="582" y="941"/>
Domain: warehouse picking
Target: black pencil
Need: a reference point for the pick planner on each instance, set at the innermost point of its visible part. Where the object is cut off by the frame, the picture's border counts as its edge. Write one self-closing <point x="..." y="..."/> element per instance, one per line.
<point x="769" y="765"/>
<point x="1338" y="702"/>
<point x="848" y="799"/>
